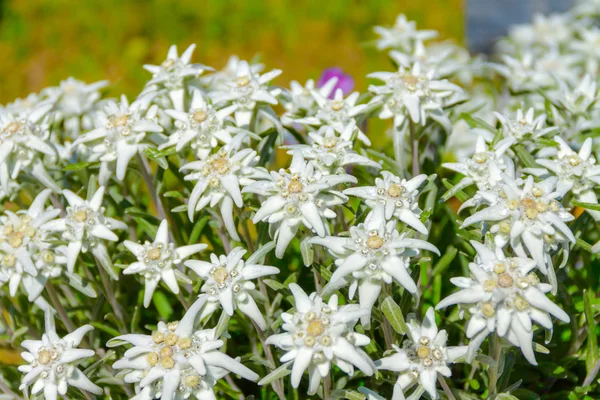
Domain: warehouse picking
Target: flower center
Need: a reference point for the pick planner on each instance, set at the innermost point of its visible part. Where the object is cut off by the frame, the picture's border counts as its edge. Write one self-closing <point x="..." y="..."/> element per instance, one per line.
<point x="168" y="63"/>
<point x="200" y="116"/>
<point x="243" y="81"/>
<point x="330" y="142"/>
<point x="120" y="121"/>
<point x="505" y="280"/>
<point x="395" y="190"/>
<point x="574" y="160"/>
<point x="411" y="82"/>
<point x="48" y="257"/>
<point x="154" y="253"/>
<point x="191" y="380"/>
<point x="295" y="186"/>
<point x="220" y="275"/>
<point x="375" y="242"/>
<point x="220" y="165"/>
<point x="520" y="303"/>
<point x="45" y="356"/>
<point x="337" y="105"/>
<point x="423" y="351"/>
<point x="80" y="216"/>
<point x="12" y="127"/>
<point x="315" y="328"/>
<point x="480" y="158"/>
<point x="488" y="310"/>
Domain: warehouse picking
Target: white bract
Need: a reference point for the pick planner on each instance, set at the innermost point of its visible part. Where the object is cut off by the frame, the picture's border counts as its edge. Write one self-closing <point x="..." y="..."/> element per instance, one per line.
<point x="403" y="35"/>
<point x="393" y="197"/>
<point x="297" y="197"/>
<point x="52" y="363"/>
<point x="158" y="260"/>
<point x="121" y="127"/>
<point x="503" y="295"/>
<point x="177" y="361"/>
<point x="526" y="127"/>
<point x="227" y="283"/>
<point x="202" y="128"/>
<point x="320" y="334"/>
<point x="299" y="101"/>
<point x="85" y="227"/>
<point x="373" y="255"/>
<point x="218" y="180"/>
<point x="423" y="355"/>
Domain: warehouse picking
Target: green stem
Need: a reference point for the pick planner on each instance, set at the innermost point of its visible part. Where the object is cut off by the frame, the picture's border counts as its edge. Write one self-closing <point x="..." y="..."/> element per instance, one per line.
<point x="414" y="145"/>
<point x="62" y="313"/>
<point x="495" y="354"/>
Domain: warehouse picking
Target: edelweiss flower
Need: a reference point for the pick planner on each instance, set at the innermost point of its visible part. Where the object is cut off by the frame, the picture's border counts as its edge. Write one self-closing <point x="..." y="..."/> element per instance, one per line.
<point x="24" y="141"/>
<point x="52" y="362"/>
<point x="227" y="283"/>
<point x="524" y="128"/>
<point x="122" y="126"/>
<point x="374" y="254"/>
<point x="547" y="31"/>
<point x="528" y="217"/>
<point x="299" y="101"/>
<point x="403" y="35"/>
<point x="319" y="334"/>
<point x="158" y="261"/>
<point x="414" y="93"/>
<point x="173" y="72"/>
<point x="202" y="127"/>
<point x="423" y="355"/>
<point x="23" y="243"/>
<point x="523" y="74"/>
<point x="332" y="153"/>
<point x="245" y="90"/>
<point x="505" y="296"/>
<point x="219" y="178"/>
<point x="485" y="167"/>
<point x="218" y="79"/>
<point x="74" y="104"/>
<point x="176" y="361"/>
<point x="578" y="99"/>
<point x="392" y="197"/>
<point x="85" y="226"/>
<point x="300" y="196"/>
<point x="338" y="112"/>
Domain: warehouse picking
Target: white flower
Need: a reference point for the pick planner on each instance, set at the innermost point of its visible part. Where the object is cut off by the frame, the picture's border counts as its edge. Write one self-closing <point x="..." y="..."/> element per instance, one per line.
<point x="338" y="112"/>
<point x="331" y="152"/>
<point x="525" y="128"/>
<point x="52" y="363"/>
<point x="24" y="141"/>
<point x="402" y="35"/>
<point x="373" y="255"/>
<point x="523" y="74"/>
<point x="392" y="197"/>
<point x="423" y="355"/>
<point x="245" y="90"/>
<point x="299" y="101"/>
<point x="122" y="126"/>
<point x="298" y="196"/>
<point x="85" y="226"/>
<point x="74" y="104"/>
<point x="503" y="295"/>
<point x="202" y="128"/>
<point x="218" y="180"/>
<point x="177" y="361"/>
<point x="527" y="216"/>
<point x="23" y="243"/>
<point x="320" y="334"/>
<point x="577" y="99"/>
<point x="547" y="31"/>
<point x="227" y="281"/>
<point x="218" y="79"/>
<point x="173" y="72"/>
<point x="485" y="167"/>
<point x="414" y="93"/>
<point x="158" y="260"/>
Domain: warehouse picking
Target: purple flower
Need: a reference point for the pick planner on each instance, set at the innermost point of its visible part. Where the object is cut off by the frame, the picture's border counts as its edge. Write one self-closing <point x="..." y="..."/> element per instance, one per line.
<point x="345" y="82"/>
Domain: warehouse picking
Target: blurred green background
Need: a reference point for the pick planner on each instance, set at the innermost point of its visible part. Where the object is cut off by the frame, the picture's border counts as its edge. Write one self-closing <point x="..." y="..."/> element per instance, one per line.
<point x="45" y="41"/>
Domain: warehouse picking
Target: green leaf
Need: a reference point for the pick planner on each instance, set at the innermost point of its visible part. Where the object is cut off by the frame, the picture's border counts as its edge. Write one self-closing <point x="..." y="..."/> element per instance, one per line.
<point x="475" y="122"/>
<point x="307" y="252"/>
<point x="587" y="206"/>
<point x="592" y="340"/>
<point x="347" y="394"/>
<point x="222" y="325"/>
<point x="444" y="262"/>
<point x="181" y="208"/>
<point x="273" y="284"/>
<point x="197" y="231"/>
<point x="176" y="194"/>
<point x="393" y="313"/>
<point x="525" y="157"/>
<point x="162" y="305"/>
<point x="111" y="331"/>
<point x="81" y="165"/>
<point x="282" y="371"/>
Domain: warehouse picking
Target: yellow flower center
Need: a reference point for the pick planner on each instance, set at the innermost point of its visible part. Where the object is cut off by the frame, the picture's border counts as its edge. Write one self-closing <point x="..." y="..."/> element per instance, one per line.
<point x="154" y="253"/>
<point x="167" y="363"/>
<point x="152" y="358"/>
<point x="166" y="352"/>
<point x="337" y="105"/>
<point x="423" y="351"/>
<point x="315" y="328"/>
<point x="220" y="275"/>
<point x="80" y="216"/>
<point x="200" y="116"/>
<point x="12" y="127"/>
<point x="220" y="165"/>
<point x="411" y="82"/>
<point x="185" y="343"/>
<point x="171" y="339"/>
<point x="395" y="190"/>
<point x="121" y="120"/>
<point x="243" y="81"/>
<point x="505" y="280"/>
<point x="574" y="160"/>
<point x="375" y="242"/>
<point x="44" y="357"/>
<point x="480" y="158"/>
<point x="168" y="63"/>
<point x="295" y="186"/>
<point x="488" y="310"/>
<point x="191" y="380"/>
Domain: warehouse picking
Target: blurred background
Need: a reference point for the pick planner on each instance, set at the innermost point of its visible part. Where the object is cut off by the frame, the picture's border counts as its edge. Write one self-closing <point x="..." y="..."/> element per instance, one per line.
<point x="45" y="41"/>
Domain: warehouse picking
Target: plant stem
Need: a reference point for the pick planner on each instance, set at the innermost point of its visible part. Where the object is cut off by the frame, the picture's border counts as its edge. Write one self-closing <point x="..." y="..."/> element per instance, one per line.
<point x="327" y="387"/>
<point x="110" y="296"/>
<point x="495" y="353"/>
<point x="414" y="146"/>
<point x="446" y="388"/>
<point x="267" y="349"/>
<point x="62" y="313"/>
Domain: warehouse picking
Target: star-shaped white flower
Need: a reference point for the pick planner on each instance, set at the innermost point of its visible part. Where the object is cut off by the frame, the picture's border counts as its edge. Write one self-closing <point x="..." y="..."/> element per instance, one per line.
<point x="85" y="227"/>
<point x="373" y="255"/>
<point x="299" y="101"/>
<point x="52" y="362"/>
<point x="392" y="197"/>
<point x="227" y="282"/>
<point x="158" y="260"/>
<point x="503" y="295"/>
<point x="298" y="197"/>
<point x="402" y="35"/>
<point x="22" y="242"/>
<point x="202" y="128"/>
<point x="423" y="355"/>
<point x="177" y="361"/>
<point x="320" y="334"/>
<point x="526" y="216"/>
<point x="414" y="93"/>
<point x="525" y="127"/>
<point x="218" y="180"/>
<point x="245" y="90"/>
<point x="24" y="143"/>
<point x="122" y="127"/>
